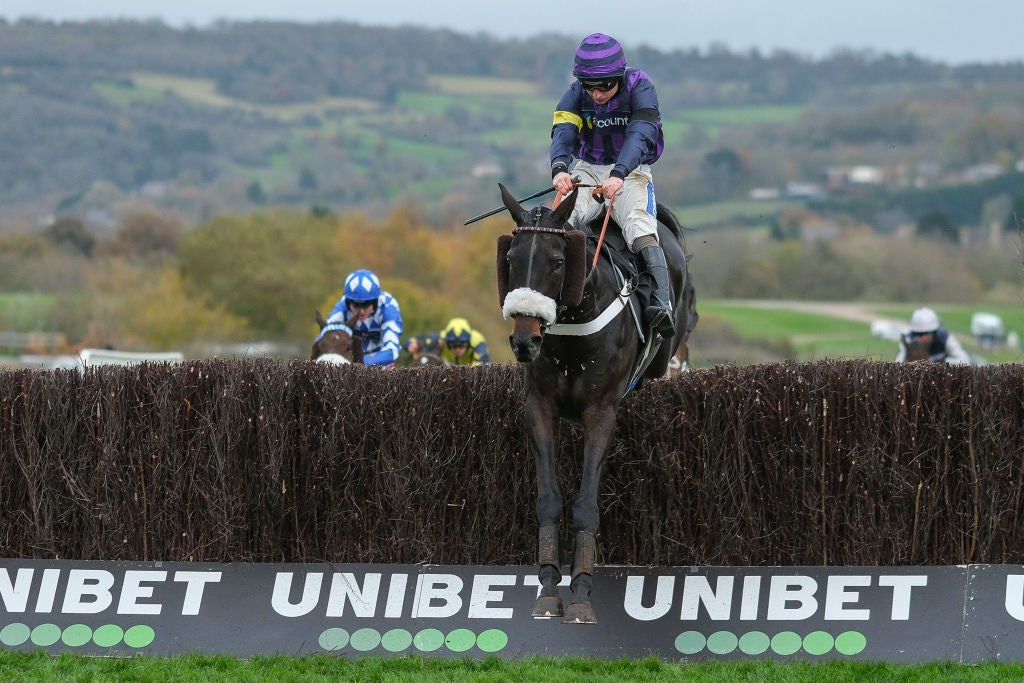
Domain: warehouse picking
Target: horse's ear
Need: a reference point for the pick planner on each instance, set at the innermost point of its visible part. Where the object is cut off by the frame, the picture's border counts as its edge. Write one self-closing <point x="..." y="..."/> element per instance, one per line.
<point x="575" y="268"/>
<point x="320" y="320"/>
<point x="504" y="242"/>
<point x="564" y="210"/>
<point x="514" y="208"/>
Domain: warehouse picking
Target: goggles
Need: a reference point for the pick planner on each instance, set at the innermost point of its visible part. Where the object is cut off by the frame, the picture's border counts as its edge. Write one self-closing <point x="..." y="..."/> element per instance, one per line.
<point x="458" y="345"/>
<point x="598" y="84"/>
<point x="359" y="305"/>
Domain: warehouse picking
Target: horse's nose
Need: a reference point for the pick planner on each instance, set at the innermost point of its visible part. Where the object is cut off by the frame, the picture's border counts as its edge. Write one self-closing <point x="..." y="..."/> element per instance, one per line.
<point x="525" y="348"/>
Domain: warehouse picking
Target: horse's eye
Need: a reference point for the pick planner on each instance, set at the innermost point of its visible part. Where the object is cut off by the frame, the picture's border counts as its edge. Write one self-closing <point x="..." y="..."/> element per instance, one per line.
<point x="557" y="264"/>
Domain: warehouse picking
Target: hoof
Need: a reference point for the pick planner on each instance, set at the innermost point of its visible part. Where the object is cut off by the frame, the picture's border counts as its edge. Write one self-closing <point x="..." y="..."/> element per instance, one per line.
<point x="546" y="607"/>
<point x="579" y="613"/>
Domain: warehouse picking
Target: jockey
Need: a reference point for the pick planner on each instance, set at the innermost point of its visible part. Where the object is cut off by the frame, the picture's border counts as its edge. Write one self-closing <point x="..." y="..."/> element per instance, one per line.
<point x="419" y="344"/>
<point x="607" y="130"/>
<point x="925" y="329"/>
<point x="379" y="322"/>
<point x="463" y="345"/>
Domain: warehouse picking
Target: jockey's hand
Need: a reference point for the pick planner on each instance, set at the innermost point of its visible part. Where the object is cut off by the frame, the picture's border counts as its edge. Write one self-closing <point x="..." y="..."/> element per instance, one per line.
<point x="610" y="187"/>
<point x="563" y="183"/>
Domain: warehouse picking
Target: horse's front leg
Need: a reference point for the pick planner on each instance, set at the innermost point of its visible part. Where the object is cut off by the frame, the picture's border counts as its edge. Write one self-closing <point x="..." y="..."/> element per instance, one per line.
<point x="598" y="429"/>
<point x="543" y="423"/>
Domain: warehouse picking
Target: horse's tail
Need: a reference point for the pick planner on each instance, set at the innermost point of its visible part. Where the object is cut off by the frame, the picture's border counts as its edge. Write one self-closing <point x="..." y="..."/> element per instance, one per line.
<point x="689" y="298"/>
<point x="671" y="221"/>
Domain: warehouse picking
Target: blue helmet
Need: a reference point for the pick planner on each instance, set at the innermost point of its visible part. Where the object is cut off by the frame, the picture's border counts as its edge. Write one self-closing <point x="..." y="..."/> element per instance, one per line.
<point x="362" y="285"/>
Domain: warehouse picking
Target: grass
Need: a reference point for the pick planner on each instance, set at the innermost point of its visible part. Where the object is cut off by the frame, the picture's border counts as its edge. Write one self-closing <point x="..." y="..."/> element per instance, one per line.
<point x="202" y="668"/>
<point x="203" y="92"/>
<point x="817" y="336"/>
<point x="25" y="311"/>
<point x="474" y="85"/>
<point x="743" y="116"/>
<point x="694" y="216"/>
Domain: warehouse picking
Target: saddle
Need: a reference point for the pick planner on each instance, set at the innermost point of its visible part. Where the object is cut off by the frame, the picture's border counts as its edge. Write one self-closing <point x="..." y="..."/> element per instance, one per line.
<point x="626" y="265"/>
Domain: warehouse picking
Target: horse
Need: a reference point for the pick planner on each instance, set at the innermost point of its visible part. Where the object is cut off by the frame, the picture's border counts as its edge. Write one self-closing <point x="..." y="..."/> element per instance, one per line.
<point x="680" y="360"/>
<point x="424" y="349"/>
<point x="337" y="343"/>
<point x="578" y="339"/>
<point x="916" y="350"/>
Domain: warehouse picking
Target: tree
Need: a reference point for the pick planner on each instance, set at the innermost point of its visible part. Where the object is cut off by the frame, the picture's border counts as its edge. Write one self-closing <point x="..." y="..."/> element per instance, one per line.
<point x="272" y="269"/>
<point x="255" y="193"/>
<point x="721" y="168"/>
<point x="937" y="224"/>
<point x="146" y="236"/>
<point x="70" y="234"/>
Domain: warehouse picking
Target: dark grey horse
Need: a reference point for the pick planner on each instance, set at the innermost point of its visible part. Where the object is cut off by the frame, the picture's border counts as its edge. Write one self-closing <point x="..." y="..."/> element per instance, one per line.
<point x="576" y="368"/>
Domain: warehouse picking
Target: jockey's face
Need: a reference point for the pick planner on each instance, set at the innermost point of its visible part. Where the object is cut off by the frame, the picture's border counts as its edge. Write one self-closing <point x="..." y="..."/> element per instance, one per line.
<point x="458" y="348"/>
<point x="364" y="309"/>
<point x="922" y="338"/>
<point x="603" y="96"/>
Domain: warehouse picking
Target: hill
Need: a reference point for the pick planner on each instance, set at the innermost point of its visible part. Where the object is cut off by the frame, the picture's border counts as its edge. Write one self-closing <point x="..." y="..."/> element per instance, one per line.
<point x="340" y="116"/>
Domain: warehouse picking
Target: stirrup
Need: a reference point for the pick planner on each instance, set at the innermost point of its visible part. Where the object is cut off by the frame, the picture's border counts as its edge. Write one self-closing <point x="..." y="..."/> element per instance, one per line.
<point x="660" y="322"/>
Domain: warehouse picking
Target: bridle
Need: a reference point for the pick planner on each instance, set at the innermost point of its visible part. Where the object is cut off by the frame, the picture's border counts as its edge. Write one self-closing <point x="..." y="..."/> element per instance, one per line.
<point x="335" y="358"/>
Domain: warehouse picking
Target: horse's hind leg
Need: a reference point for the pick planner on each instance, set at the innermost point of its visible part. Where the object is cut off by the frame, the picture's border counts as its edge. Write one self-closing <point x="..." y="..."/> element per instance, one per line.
<point x="598" y="427"/>
<point x="544" y="433"/>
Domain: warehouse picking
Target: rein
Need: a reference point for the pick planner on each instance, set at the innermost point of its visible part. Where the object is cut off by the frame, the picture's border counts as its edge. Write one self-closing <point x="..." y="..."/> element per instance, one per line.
<point x="614" y="307"/>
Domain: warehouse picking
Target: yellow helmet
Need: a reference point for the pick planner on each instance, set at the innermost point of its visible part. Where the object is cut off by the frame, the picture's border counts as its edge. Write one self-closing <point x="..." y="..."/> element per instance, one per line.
<point x="457" y="331"/>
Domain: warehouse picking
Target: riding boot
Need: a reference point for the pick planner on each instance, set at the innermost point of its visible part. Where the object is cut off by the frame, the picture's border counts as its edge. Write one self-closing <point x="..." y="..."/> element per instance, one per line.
<point x="658" y="313"/>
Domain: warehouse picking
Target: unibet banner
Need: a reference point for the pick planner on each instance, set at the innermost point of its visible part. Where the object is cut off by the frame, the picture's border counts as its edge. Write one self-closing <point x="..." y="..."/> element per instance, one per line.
<point x="896" y="614"/>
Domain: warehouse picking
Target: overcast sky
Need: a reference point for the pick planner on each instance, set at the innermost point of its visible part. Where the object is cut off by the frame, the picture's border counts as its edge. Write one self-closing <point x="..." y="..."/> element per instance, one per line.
<point x="951" y="31"/>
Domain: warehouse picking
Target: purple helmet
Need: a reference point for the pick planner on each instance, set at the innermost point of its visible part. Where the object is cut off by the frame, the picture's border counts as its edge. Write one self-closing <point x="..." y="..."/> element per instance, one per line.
<point x="599" y="56"/>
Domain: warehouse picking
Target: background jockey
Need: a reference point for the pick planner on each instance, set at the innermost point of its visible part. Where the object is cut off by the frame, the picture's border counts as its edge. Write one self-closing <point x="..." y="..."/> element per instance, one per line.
<point x="379" y="322"/>
<point x="463" y="345"/>
<point x="925" y="330"/>
<point x="607" y="130"/>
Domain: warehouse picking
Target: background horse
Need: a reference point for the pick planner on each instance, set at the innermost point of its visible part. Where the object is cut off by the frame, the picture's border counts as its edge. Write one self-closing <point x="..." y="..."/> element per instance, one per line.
<point x="573" y="370"/>
<point x="336" y="342"/>
<point x="680" y="360"/>
<point x="916" y="349"/>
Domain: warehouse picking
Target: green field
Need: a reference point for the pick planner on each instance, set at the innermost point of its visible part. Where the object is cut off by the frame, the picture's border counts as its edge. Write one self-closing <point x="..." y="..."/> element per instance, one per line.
<point x="818" y="336"/>
<point x="42" y="667"/>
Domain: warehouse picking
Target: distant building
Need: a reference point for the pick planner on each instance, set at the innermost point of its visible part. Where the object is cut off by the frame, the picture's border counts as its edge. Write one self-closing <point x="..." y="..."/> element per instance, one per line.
<point x="804" y="190"/>
<point x="981" y="172"/>
<point x="764" y="193"/>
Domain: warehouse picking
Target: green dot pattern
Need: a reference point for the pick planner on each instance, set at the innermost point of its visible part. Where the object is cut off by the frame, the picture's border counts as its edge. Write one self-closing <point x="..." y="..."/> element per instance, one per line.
<point x="396" y="640"/>
<point x="460" y="640"/>
<point x="818" y="643"/>
<point x="722" y="642"/>
<point x="492" y="640"/>
<point x="428" y="640"/>
<point x="365" y="639"/>
<point x="139" y="636"/>
<point x="334" y="639"/>
<point x="13" y="635"/>
<point x="784" y="643"/>
<point x="45" y="635"/>
<point x="754" y="643"/>
<point x="690" y="642"/>
<point x="76" y="635"/>
<point x="851" y="643"/>
<point x="108" y="635"/>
